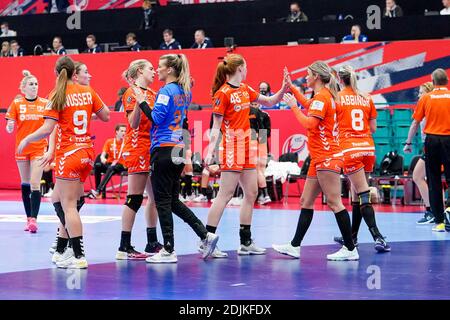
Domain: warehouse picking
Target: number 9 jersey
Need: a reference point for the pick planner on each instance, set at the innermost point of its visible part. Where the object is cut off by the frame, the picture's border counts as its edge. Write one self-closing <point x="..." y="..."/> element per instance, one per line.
<point x="355" y="138"/>
<point x="74" y="148"/>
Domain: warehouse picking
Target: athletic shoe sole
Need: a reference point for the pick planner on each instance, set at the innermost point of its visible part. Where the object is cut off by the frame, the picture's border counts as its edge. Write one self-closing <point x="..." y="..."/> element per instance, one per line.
<point x="211" y="248"/>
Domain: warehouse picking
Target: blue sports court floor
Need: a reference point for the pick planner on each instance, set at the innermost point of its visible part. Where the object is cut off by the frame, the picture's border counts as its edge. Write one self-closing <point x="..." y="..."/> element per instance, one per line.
<point x="417" y="268"/>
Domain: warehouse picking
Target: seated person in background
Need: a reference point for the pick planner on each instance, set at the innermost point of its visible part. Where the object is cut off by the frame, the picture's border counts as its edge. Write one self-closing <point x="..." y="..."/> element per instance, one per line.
<point x="16" y="50"/>
<point x="392" y="10"/>
<point x="296" y="15"/>
<point x="92" y="46"/>
<point x="169" y="42"/>
<point x="58" y="48"/>
<point x="5" y="52"/>
<point x="201" y="41"/>
<point x="355" y="35"/>
<point x="132" y="42"/>
<point x="446" y="10"/>
<point x="111" y="162"/>
<point x="264" y="89"/>
<point x="118" y="106"/>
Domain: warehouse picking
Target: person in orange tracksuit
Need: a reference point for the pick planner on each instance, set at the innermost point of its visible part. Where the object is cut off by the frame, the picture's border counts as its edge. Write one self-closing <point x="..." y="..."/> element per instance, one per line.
<point x="435" y="107"/>
<point x="136" y="155"/>
<point x="357" y="118"/>
<point x="231" y="110"/>
<point x="27" y="113"/>
<point x="326" y="160"/>
<point x="71" y="107"/>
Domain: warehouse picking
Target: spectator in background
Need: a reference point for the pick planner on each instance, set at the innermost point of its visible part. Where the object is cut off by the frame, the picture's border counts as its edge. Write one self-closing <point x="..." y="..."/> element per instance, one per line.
<point x="149" y="20"/>
<point x="58" y="48"/>
<point x="5" y="49"/>
<point x="355" y="35"/>
<point x="118" y="106"/>
<point x="296" y="14"/>
<point x="6" y="32"/>
<point x="132" y="42"/>
<point x="169" y="42"/>
<point x="16" y="50"/>
<point x="54" y="6"/>
<point x="392" y="10"/>
<point x="92" y="46"/>
<point x="264" y="89"/>
<point x="446" y="10"/>
<point x="201" y="41"/>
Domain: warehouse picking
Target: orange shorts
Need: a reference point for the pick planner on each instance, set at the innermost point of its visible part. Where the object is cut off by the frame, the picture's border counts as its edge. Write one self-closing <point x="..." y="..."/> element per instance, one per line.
<point x="330" y="164"/>
<point x="75" y="165"/>
<point x="238" y="156"/>
<point x="31" y="154"/>
<point x="355" y="161"/>
<point x="137" y="161"/>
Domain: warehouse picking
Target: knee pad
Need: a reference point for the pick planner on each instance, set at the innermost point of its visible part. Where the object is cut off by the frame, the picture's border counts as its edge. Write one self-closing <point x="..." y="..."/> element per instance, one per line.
<point x="60" y="212"/>
<point x="134" y="201"/>
<point x="364" y="198"/>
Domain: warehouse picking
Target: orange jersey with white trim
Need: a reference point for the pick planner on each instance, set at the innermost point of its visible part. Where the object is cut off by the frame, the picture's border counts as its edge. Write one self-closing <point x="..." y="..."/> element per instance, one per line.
<point x="354" y="115"/>
<point x="141" y="135"/>
<point x="114" y="149"/>
<point x="435" y="107"/>
<point x="29" y="116"/>
<point x="74" y="120"/>
<point x="233" y="103"/>
<point x="322" y="140"/>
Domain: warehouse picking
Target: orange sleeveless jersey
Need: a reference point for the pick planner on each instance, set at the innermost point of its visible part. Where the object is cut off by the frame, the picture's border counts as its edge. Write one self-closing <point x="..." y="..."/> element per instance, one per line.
<point x="435" y="107"/>
<point x="74" y="120"/>
<point x="354" y="115"/>
<point x="322" y="140"/>
<point x="29" y="116"/>
<point x="140" y="137"/>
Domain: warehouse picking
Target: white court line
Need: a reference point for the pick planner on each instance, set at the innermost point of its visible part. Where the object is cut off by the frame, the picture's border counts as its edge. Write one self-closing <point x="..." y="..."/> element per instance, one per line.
<point x="54" y="219"/>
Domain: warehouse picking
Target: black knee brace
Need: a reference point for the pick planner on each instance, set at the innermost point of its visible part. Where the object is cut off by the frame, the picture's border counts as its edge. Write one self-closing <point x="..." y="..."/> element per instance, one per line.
<point x="364" y="198"/>
<point x="60" y="212"/>
<point x="134" y="201"/>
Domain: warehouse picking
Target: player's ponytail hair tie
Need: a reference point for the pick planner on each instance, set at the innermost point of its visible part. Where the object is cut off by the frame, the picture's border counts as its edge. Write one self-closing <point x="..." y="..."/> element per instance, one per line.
<point x="225" y="62"/>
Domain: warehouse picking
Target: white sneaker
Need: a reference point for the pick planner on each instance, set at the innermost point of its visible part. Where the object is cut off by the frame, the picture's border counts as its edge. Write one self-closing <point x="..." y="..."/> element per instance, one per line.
<point x="250" y="249"/>
<point x="163" y="257"/>
<point x="57" y="257"/>
<point x="217" y="254"/>
<point x="49" y="193"/>
<point x="190" y="198"/>
<point x="180" y="197"/>
<point x="52" y="249"/>
<point x="344" y="255"/>
<point x="209" y="244"/>
<point x="93" y="194"/>
<point x="235" y="201"/>
<point x="73" y="263"/>
<point x="287" y="249"/>
<point x="200" y="198"/>
<point x="264" y="200"/>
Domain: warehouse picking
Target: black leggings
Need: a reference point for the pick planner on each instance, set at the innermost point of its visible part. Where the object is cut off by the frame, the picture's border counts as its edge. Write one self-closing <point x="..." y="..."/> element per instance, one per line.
<point x="167" y="164"/>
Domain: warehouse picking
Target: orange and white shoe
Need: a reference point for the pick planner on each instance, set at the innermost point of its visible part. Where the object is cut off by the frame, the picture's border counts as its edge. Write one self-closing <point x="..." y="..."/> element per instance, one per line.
<point x="130" y="254"/>
<point x="32" y="226"/>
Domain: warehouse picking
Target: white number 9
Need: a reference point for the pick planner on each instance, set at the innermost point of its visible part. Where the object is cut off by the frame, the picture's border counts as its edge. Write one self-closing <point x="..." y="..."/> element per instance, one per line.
<point x="80" y="119"/>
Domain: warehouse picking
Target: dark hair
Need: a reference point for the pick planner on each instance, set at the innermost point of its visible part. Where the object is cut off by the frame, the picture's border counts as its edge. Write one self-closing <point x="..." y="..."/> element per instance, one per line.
<point x="59" y="38"/>
<point x="5" y="24"/>
<point x="168" y="31"/>
<point x="295" y="3"/>
<point x="91" y="36"/>
<point x="268" y="86"/>
<point x="13" y="41"/>
<point x="131" y="35"/>
<point x="118" y="126"/>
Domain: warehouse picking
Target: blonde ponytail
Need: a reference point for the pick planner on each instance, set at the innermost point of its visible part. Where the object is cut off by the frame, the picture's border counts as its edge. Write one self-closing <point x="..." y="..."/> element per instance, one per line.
<point x="180" y="65"/>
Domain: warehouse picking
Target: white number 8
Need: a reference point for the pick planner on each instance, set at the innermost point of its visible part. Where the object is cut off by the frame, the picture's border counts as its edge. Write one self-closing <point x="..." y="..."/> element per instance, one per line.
<point x="357" y="119"/>
<point x="77" y="122"/>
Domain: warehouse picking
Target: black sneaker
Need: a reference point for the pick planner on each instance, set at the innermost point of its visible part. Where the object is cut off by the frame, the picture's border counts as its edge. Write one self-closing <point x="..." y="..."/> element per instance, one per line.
<point x="381" y="245"/>
<point x="153" y="248"/>
<point x="340" y="240"/>
<point x="428" y="218"/>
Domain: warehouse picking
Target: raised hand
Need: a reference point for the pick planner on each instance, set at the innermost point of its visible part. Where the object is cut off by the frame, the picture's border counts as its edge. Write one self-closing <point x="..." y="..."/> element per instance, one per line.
<point x="290" y="100"/>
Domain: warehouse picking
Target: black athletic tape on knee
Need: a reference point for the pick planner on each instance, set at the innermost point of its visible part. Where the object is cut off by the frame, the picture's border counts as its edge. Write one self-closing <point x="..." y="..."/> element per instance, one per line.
<point x="80" y="203"/>
<point x="364" y="198"/>
<point x="134" y="201"/>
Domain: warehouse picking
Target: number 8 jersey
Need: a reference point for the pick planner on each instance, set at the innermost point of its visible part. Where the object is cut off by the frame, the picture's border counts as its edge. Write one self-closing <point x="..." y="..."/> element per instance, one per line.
<point x="74" y="120"/>
<point x="355" y="138"/>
